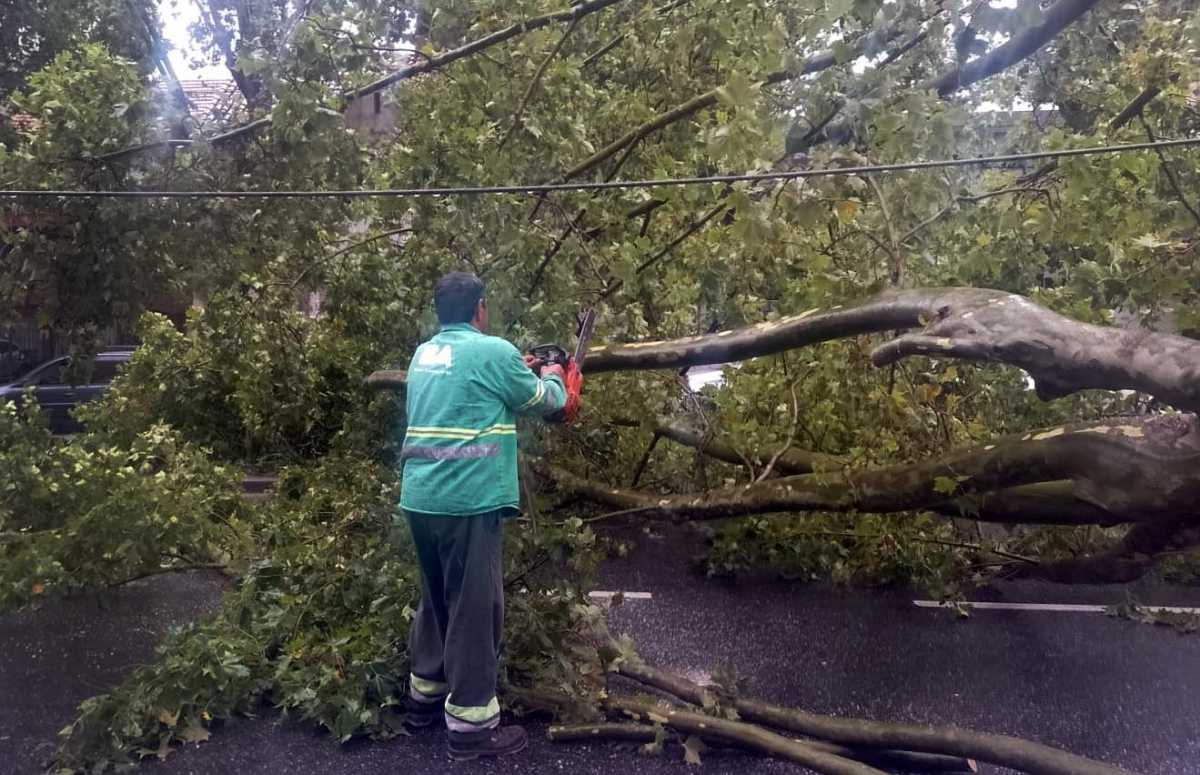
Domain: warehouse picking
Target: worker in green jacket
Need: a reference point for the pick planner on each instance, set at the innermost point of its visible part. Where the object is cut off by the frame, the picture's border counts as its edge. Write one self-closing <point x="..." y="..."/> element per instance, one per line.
<point x="464" y="390"/>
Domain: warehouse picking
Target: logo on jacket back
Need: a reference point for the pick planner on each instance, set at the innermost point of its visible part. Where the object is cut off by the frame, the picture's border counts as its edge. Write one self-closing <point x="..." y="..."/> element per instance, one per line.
<point x="434" y="358"/>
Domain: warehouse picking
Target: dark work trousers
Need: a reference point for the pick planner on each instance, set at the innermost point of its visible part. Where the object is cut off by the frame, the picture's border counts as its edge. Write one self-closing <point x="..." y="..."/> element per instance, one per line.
<point x="454" y="643"/>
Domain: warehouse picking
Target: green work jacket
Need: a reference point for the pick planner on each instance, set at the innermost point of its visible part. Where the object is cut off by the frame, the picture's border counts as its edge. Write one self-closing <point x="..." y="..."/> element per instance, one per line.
<point x="460" y="447"/>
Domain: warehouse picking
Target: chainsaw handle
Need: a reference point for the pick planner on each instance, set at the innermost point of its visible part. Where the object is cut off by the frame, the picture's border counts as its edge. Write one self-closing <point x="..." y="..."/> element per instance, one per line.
<point x="545" y="354"/>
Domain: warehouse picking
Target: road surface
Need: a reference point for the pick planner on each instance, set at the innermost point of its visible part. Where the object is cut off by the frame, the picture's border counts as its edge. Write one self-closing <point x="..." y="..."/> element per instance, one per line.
<point x="1124" y="692"/>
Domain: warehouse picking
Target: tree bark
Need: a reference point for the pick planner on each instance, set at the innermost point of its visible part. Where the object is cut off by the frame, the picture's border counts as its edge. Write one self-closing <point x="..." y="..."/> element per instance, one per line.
<point x="1062" y="355"/>
<point x="388" y="379"/>
<point x="1002" y="750"/>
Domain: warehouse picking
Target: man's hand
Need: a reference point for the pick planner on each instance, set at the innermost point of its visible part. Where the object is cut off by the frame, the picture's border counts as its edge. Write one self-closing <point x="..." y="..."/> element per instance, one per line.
<point x="552" y="368"/>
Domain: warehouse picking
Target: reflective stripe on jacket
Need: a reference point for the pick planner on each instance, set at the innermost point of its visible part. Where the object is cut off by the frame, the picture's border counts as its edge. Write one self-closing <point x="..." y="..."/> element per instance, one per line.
<point x="460" y="447"/>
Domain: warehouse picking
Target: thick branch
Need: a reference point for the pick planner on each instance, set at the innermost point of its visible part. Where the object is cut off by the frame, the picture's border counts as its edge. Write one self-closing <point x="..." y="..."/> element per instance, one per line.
<point x="1134" y="108"/>
<point x="1022" y="45"/>
<point x="388" y="379"/>
<point x="1023" y="755"/>
<point x="1131" y="470"/>
<point x="1062" y="355"/>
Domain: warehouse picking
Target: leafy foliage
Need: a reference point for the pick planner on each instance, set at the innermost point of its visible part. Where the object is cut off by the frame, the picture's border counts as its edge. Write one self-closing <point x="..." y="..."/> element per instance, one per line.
<point x="88" y="513"/>
<point x="33" y="34"/>
<point x="317" y="625"/>
<point x="845" y="549"/>
<point x="254" y="378"/>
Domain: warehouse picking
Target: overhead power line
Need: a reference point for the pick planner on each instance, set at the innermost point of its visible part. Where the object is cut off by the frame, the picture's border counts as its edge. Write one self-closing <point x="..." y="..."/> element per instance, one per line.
<point x="548" y="188"/>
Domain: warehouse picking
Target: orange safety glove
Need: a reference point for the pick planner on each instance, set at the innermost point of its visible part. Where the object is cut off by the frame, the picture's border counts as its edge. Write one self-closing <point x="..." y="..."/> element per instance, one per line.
<point x="573" y="379"/>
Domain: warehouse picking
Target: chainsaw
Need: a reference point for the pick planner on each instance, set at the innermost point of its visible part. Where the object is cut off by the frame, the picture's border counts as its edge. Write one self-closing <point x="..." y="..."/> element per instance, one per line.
<point x="572" y="365"/>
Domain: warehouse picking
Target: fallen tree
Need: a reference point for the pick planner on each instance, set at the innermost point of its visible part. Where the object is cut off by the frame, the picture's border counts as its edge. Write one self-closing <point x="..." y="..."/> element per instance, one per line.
<point x="1143" y="471"/>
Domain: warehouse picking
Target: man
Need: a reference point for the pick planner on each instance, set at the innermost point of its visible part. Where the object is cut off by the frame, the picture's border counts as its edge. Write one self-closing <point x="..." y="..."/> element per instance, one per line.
<point x="460" y="482"/>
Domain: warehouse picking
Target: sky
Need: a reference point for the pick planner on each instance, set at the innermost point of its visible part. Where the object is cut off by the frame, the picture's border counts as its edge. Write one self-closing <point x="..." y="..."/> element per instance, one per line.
<point x="177" y="16"/>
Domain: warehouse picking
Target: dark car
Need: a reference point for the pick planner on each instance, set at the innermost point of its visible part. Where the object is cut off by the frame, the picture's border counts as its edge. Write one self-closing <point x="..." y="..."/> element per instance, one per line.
<point x="57" y="398"/>
<point x="13" y="361"/>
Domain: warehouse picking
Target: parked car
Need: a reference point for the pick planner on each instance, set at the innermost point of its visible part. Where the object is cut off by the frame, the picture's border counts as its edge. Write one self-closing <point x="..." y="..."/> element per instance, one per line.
<point x="13" y="361"/>
<point x="56" y="397"/>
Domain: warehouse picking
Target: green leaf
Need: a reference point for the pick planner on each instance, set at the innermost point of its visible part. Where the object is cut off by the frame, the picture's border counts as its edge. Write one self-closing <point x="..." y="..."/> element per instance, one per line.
<point x="836" y="9"/>
<point x="692" y="748"/>
<point x="947" y="485"/>
<point x="194" y="732"/>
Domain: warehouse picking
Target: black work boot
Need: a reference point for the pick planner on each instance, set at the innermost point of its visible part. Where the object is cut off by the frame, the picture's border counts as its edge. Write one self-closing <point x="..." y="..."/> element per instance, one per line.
<point x="488" y="742"/>
<point x="423" y="715"/>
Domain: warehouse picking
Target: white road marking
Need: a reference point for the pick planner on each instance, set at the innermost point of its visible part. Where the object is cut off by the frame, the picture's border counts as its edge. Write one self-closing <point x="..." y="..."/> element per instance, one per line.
<point x="608" y="595"/>
<point x="1060" y="607"/>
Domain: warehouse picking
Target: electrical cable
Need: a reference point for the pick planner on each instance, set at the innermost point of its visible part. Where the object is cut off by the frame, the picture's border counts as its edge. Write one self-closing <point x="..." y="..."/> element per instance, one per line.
<point x="548" y="188"/>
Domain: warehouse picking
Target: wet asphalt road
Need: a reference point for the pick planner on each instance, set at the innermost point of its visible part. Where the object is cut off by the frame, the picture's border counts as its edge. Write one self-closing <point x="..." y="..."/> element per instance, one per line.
<point x="1116" y="690"/>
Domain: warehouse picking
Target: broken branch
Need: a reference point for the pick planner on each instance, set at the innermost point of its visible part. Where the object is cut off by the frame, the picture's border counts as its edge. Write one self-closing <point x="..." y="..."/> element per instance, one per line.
<point x="1002" y="750"/>
<point x="745" y="735"/>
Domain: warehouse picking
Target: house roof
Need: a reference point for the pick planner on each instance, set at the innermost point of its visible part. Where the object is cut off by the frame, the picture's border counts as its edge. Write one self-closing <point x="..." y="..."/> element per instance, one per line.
<point x="212" y="100"/>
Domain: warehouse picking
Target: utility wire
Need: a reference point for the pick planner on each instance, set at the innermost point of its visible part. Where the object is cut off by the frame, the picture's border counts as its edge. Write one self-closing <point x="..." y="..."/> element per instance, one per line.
<point x="547" y="188"/>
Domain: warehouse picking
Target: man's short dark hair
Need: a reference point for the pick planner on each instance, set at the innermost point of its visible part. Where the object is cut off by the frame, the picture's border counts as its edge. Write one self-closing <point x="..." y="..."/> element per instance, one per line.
<point x="455" y="297"/>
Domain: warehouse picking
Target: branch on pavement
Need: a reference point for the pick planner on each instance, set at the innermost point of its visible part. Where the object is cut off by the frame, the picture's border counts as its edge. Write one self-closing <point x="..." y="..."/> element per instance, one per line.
<point x="1126" y="470"/>
<point x="1002" y="750"/>
<point x="634" y="732"/>
<point x="1128" y="561"/>
<point x="750" y="736"/>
